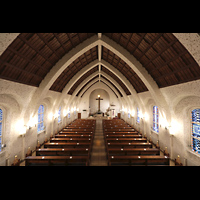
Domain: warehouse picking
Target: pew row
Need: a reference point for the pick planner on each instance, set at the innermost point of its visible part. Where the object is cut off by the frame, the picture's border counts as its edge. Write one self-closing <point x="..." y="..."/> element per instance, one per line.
<point x="56" y="161"/>
<point x="139" y="160"/>
<point x="69" y="147"/>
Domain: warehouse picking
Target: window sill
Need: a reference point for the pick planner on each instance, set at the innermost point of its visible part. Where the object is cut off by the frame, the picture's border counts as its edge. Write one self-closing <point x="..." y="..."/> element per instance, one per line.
<point x="2" y="153"/>
<point x="152" y="131"/>
<point x="192" y="152"/>
<point x="41" y="132"/>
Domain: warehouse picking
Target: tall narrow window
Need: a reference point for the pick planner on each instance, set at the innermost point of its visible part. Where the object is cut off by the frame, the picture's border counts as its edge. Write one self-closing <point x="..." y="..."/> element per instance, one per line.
<point x="196" y="130"/>
<point x="138" y="115"/>
<point x="1" y="127"/>
<point x="155" y="119"/>
<point x="59" y="115"/>
<point x="40" y="119"/>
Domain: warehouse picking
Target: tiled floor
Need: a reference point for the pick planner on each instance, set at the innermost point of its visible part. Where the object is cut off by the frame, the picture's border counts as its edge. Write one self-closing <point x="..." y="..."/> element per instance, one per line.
<point x="98" y="154"/>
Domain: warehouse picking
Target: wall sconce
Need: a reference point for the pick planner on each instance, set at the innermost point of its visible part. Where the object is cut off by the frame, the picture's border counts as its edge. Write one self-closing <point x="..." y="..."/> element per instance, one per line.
<point x="31" y="123"/>
<point x="55" y="115"/>
<point x="50" y="116"/>
<point x="170" y="130"/>
<point x="167" y="127"/>
<point x="65" y="113"/>
<point x="23" y="131"/>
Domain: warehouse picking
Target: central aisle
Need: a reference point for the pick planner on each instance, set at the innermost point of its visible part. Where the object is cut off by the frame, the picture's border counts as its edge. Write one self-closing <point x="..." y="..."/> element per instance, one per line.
<point x="98" y="154"/>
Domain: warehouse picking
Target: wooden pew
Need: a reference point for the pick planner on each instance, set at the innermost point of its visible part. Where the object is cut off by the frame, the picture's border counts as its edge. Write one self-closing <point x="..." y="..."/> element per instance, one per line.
<point x="72" y="139"/>
<point x="118" y="130"/>
<point x="78" y="130"/>
<point x="56" y="160"/>
<point x="112" y="135"/>
<point x="117" y="126"/>
<point x="113" y="126"/>
<point x="16" y="161"/>
<point x="121" y="140"/>
<point x="63" y="152"/>
<point x="68" y="145"/>
<point x="132" y="151"/>
<point x="75" y="132"/>
<point x="139" y="160"/>
<point x="125" y="146"/>
<point x="74" y="135"/>
<point x="121" y="132"/>
<point x="80" y="126"/>
<point x="129" y="145"/>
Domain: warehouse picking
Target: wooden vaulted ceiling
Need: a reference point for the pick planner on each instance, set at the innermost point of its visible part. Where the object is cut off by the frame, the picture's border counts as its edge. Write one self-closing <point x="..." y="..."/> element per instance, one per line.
<point x="31" y="56"/>
<point x="163" y="56"/>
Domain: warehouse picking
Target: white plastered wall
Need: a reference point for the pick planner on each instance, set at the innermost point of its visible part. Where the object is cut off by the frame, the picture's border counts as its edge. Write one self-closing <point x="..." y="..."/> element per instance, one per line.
<point x="84" y="101"/>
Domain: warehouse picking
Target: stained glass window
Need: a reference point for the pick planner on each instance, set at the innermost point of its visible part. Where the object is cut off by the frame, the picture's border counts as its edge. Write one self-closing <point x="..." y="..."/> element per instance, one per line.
<point x="1" y="124"/>
<point x="155" y="119"/>
<point x="129" y="115"/>
<point x="40" y="119"/>
<point x="59" y="115"/>
<point x="138" y="116"/>
<point x="196" y="130"/>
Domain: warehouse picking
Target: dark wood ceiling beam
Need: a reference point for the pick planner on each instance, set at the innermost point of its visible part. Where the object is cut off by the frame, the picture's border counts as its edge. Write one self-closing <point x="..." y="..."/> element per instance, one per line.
<point x="109" y="87"/>
<point x="128" y="40"/>
<point x="158" y="54"/>
<point x="14" y="80"/>
<point x="138" y="43"/>
<point x="150" y="45"/>
<point x="48" y="45"/>
<point x="174" y="72"/>
<point x="36" y="50"/>
<point x="61" y="44"/>
<point x="70" y="39"/>
<point x="169" y="61"/>
<point x="29" y="60"/>
<point x="22" y="70"/>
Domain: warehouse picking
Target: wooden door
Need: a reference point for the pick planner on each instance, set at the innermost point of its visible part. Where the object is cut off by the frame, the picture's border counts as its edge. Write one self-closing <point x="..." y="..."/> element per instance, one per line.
<point x="119" y="115"/>
<point x="79" y="115"/>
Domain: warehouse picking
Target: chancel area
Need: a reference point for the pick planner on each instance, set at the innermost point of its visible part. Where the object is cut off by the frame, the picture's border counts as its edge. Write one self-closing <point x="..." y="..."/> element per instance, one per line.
<point x="99" y="99"/>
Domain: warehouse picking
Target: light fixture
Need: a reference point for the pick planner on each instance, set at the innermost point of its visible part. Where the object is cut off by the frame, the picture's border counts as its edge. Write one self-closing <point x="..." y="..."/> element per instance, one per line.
<point x="98" y="96"/>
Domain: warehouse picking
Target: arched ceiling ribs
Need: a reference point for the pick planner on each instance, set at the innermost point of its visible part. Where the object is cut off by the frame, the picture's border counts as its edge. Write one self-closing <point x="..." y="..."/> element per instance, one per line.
<point x="96" y="81"/>
<point x="31" y="56"/>
<point x="81" y="88"/>
<point x="113" y="83"/>
<point x="125" y="69"/>
<point x="80" y="80"/>
<point x="155" y="59"/>
<point x="125" y="99"/>
<point x="161" y="54"/>
<point x="109" y="87"/>
<point x="89" y="67"/>
<point x="78" y="91"/>
<point x="140" y="70"/>
<point x="115" y="76"/>
<point x="91" y="71"/>
<point x="73" y="68"/>
<point x="109" y="69"/>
